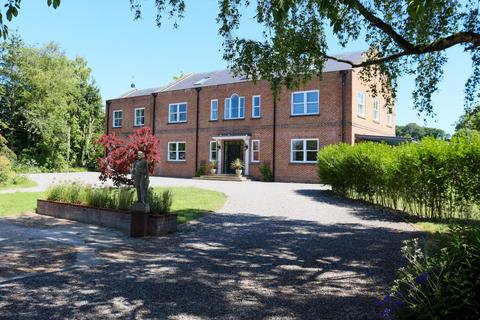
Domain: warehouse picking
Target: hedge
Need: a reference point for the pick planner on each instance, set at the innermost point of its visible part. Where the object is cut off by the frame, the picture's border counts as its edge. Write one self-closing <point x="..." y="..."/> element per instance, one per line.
<point x="429" y="179"/>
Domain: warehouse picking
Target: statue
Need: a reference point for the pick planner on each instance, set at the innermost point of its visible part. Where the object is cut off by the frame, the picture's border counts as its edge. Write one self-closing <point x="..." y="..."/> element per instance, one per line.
<point x="140" y="178"/>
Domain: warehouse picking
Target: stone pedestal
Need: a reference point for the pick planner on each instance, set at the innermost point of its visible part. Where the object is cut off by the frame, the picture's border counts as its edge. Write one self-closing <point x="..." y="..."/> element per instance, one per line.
<point x="139" y="221"/>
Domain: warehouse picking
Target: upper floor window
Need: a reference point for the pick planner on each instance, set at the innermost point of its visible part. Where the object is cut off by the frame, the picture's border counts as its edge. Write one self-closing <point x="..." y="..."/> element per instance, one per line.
<point x="234" y="107"/>
<point x="389" y="116"/>
<point x="214" y="110"/>
<point x="213" y="150"/>
<point x="256" y="107"/>
<point x="139" y="117"/>
<point x="305" y="102"/>
<point x="177" y="151"/>
<point x="376" y="110"/>
<point x="304" y="150"/>
<point x="117" y="118"/>
<point x="177" y="112"/>
<point x="361" y="104"/>
<point x="255" y="150"/>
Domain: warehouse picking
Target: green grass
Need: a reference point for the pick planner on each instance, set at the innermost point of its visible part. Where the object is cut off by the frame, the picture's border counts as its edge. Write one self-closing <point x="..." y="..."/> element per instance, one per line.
<point x="191" y="203"/>
<point x="433" y="227"/>
<point x="188" y="203"/>
<point x="19" y="202"/>
<point x="19" y="183"/>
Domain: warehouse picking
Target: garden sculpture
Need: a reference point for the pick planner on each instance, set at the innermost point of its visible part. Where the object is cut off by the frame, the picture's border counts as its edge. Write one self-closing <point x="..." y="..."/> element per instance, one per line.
<point x="140" y="177"/>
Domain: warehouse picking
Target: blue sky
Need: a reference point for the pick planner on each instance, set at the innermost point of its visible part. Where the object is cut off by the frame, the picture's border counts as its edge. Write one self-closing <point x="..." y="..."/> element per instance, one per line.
<point x="119" y="49"/>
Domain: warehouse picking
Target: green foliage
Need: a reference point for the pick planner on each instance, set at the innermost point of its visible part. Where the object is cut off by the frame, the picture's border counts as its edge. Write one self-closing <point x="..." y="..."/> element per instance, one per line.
<point x="430" y="179"/>
<point x="51" y="108"/>
<point x="443" y="284"/>
<point x="469" y="120"/>
<point x="266" y="172"/>
<point x="5" y="170"/>
<point x="200" y="171"/>
<point x="5" y="150"/>
<point x="413" y="130"/>
<point x="214" y="164"/>
<point x="160" y="203"/>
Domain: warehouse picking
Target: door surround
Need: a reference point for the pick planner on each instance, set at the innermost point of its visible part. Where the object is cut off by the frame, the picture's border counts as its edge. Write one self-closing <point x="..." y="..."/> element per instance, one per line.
<point x="246" y="140"/>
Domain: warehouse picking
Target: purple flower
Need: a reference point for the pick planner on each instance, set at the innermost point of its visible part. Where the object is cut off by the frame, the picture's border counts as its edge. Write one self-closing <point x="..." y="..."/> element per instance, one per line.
<point x="422" y="278"/>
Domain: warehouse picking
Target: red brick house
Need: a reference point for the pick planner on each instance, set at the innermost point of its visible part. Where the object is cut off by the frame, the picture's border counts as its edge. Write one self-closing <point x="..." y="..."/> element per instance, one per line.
<point x="214" y="115"/>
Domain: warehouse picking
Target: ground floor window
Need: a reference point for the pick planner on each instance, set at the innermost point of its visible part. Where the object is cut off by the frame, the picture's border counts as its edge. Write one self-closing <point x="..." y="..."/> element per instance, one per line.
<point x="304" y="150"/>
<point x="213" y="150"/>
<point x="117" y="118"/>
<point x="255" y="150"/>
<point x="177" y="151"/>
<point x="139" y="117"/>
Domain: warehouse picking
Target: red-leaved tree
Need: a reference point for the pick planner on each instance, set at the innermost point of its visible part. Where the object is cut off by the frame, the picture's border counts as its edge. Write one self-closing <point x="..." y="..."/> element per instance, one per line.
<point x="120" y="155"/>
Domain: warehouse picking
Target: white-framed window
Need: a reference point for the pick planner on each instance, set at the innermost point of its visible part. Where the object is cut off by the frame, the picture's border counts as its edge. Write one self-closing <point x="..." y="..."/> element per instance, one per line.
<point x="177" y="112"/>
<point x="213" y="150"/>
<point x="305" y="102"/>
<point x="139" y="117"/>
<point x="234" y="107"/>
<point x="177" y="151"/>
<point x="214" y="109"/>
<point x="361" y="104"/>
<point x="255" y="150"/>
<point x="117" y="118"/>
<point x="256" y="106"/>
<point x="304" y="150"/>
<point x="389" y="116"/>
<point x="376" y="110"/>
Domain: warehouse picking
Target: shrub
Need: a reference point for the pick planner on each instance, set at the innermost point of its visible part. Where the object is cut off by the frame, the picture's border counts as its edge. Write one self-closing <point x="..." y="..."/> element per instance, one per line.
<point x="442" y="285"/>
<point x="266" y="173"/>
<point x="160" y="203"/>
<point x="200" y="171"/>
<point x="121" y="154"/>
<point x="125" y="198"/>
<point x="430" y="179"/>
<point x="5" y="170"/>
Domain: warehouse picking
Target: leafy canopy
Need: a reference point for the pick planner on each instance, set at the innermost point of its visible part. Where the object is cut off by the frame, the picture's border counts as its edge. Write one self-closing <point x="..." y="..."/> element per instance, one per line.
<point x="404" y="37"/>
<point x="413" y="130"/>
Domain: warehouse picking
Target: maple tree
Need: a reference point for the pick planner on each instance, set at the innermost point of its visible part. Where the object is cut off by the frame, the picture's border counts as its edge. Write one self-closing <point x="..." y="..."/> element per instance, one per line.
<point x="120" y="155"/>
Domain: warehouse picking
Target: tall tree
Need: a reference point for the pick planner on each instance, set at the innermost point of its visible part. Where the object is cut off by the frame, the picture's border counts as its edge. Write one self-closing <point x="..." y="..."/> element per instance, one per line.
<point x="404" y="37"/>
<point x="417" y="132"/>
<point x="469" y="120"/>
<point x="50" y="107"/>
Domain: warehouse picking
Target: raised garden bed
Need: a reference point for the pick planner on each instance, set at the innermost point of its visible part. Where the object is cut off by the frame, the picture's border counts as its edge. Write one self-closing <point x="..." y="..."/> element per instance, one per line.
<point x="156" y="225"/>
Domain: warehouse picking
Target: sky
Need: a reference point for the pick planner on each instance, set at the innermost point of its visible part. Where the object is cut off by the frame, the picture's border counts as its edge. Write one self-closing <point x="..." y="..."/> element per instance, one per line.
<point x="121" y="51"/>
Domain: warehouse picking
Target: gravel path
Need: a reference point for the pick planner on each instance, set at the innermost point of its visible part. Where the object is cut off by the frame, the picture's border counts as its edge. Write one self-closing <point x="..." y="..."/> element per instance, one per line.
<point x="275" y="251"/>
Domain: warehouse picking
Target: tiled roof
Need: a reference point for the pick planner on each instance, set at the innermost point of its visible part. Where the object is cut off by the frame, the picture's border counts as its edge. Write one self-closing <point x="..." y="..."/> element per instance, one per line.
<point x="220" y="77"/>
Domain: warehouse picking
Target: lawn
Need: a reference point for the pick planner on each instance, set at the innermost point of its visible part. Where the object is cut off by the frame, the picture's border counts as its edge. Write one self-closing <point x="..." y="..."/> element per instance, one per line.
<point x="188" y="203"/>
<point x="19" y="183"/>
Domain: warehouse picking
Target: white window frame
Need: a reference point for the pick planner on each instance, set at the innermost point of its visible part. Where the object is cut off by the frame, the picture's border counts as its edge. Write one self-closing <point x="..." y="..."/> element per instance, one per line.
<point x="227" y="115"/>
<point x="305" y="113"/>
<point x="211" y="110"/>
<point x="304" y="141"/>
<point x="361" y="114"/>
<point x="114" y="112"/>
<point x="376" y="110"/>
<point x="210" y="151"/>
<point x="389" y="117"/>
<point x="178" y="112"/>
<point x="135" y="122"/>
<point x="253" y="151"/>
<point x="259" y="107"/>
<point x="177" y="152"/>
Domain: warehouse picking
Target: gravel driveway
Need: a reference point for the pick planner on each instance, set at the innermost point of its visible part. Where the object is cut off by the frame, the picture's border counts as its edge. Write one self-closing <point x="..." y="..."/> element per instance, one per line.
<point x="275" y="251"/>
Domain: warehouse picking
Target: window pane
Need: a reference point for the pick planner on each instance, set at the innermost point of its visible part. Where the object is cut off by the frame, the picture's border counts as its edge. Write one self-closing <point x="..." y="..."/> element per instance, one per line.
<point x="256" y="112"/>
<point x="298" y="97"/>
<point x="227" y="109"/>
<point x="360" y="97"/>
<point x="181" y="146"/>
<point x="172" y="155"/>
<point x="312" y="145"/>
<point x="256" y="101"/>
<point x="297" y="145"/>
<point x="181" y="155"/>
<point x="172" y="146"/>
<point x="173" y="117"/>
<point x="173" y="108"/>
<point x="298" y="156"/>
<point x="312" y="96"/>
<point x="242" y="107"/>
<point x="298" y="108"/>
<point x="311" y="155"/>
<point x="214" y="115"/>
<point x="182" y="117"/>
<point x="312" y="107"/>
<point x="182" y="108"/>
<point x="255" y="156"/>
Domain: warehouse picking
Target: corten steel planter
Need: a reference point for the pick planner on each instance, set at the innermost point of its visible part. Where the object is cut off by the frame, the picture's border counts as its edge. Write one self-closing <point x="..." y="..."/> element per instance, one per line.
<point x="135" y="224"/>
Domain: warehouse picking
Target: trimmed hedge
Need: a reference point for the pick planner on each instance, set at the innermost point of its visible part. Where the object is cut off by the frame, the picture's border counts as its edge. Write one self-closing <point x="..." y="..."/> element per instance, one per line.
<point x="430" y="179"/>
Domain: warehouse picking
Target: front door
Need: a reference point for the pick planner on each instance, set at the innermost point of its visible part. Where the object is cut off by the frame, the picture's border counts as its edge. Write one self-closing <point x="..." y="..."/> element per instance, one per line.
<point x="232" y="150"/>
